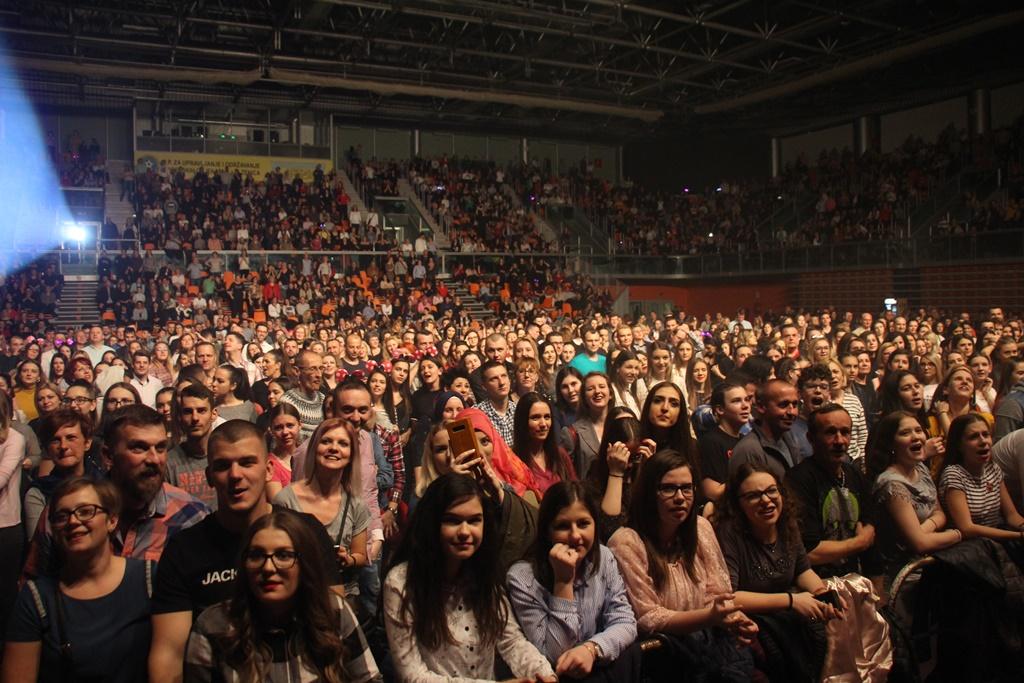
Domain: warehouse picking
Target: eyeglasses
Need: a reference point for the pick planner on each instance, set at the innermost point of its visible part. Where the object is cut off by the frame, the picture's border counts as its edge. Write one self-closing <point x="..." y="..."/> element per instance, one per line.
<point x="76" y="400"/>
<point x="281" y="559"/>
<point x="83" y="513"/>
<point x="118" y="402"/>
<point x="753" y="497"/>
<point x="668" y="491"/>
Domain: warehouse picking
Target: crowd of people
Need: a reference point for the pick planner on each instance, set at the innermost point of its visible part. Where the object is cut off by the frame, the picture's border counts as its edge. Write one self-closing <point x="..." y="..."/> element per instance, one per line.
<point x="540" y="494"/>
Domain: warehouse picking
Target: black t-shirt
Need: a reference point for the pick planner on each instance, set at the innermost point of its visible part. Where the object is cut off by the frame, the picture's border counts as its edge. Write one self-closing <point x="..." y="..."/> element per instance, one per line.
<point x="198" y="566"/>
<point x="715" y="448"/>
<point x="829" y="508"/>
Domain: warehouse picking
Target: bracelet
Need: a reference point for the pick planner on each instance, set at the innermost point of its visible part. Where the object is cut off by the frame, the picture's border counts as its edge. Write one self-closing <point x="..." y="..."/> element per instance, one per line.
<point x="617" y="476"/>
<point x="959" y="535"/>
<point x="790" y="596"/>
<point x="595" y="651"/>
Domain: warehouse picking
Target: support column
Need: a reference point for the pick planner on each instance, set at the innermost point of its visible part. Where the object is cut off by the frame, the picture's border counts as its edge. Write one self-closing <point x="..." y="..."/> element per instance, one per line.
<point x="415" y="142"/>
<point x="524" y="150"/>
<point x="979" y="112"/>
<point x="776" y="168"/>
<point x="867" y="134"/>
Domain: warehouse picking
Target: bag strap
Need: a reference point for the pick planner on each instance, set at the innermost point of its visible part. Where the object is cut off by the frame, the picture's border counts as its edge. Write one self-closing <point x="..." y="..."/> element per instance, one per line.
<point x="344" y="517"/>
<point x="37" y="598"/>
<point x="150" y="567"/>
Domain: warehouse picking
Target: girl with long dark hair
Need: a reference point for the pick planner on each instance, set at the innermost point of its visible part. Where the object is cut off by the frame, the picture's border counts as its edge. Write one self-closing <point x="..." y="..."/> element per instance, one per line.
<point x="615" y="468"/>
<point x="535" y="443"/>
<point x="664" y="419"/>
<point x="568" y="563"/>
<point x="445" y="611"/>
<point x="231" y="391"/>
<point x="676" y="576"/>
<point x="284" y="428"/>
<point x="283" y="621"/>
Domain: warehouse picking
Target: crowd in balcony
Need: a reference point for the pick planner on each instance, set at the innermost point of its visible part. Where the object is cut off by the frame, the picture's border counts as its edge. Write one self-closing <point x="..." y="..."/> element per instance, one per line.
<point x="78" y="162"/>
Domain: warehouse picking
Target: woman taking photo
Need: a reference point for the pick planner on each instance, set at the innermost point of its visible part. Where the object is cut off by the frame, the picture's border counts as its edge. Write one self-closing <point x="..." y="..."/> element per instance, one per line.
<point x="584" y="435"/>
<point x="771" y="575"/>
<point x="534" y="442"/>
<point x="284" y="427"/>
<point x="231" y="392"/>
<point x="676" y="577"/>
<point x="326" y="492"/>
<point x="445" y="612"/>
<point x="910" y="522"/>
<point x="568" y="565"/>
<point x="91" y="621"/>
<point x="971" y="486"/>
<point x="283" y="622"/>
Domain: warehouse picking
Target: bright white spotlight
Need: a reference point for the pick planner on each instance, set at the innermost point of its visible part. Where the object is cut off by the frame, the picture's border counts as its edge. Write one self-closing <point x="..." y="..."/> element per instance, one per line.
<point x="73" y="232"/>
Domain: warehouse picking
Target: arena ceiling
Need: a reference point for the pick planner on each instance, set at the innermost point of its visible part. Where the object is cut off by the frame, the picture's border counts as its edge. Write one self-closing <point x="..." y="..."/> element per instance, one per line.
<point x="601" y="68"/>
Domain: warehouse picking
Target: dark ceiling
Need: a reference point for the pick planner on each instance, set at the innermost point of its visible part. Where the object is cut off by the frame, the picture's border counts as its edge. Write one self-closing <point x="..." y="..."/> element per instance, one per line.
<point x="601" y="68"/>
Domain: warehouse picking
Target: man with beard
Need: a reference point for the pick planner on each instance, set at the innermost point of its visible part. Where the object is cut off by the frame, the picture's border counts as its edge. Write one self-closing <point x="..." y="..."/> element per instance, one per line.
<point x="198" y="568"/>
<point x="770" y="443"/>
<point x="152" y="510"/>
<point x="832" y="496"/>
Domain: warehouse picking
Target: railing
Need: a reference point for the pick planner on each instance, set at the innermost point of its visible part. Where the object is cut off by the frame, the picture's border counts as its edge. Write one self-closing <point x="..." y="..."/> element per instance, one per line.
<point x="1005" y="245"/>
<point x="994" y="246"/>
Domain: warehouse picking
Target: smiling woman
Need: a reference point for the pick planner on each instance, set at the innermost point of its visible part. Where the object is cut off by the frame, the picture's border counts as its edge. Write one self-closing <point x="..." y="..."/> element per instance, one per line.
<point x="101" y="600"/>
<point x="283" y="618"/>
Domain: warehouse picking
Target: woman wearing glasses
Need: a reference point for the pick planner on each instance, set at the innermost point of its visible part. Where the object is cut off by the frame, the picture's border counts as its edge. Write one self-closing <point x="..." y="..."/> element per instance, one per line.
<point x="771" y="575"/>
<point x="283" y="623"/>
<point x="91" y="621"/>
<point x="676" y="577"/>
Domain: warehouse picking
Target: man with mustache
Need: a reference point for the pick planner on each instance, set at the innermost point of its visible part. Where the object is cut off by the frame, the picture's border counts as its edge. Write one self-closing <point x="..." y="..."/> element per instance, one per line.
<point x="832" y="496"/>
<point x="770" y="443"/>
<point x="153" y="511"/>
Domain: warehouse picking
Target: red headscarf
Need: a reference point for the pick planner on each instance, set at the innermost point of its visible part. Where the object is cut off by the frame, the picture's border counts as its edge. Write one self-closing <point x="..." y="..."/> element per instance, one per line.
<point x="509" y="468"/>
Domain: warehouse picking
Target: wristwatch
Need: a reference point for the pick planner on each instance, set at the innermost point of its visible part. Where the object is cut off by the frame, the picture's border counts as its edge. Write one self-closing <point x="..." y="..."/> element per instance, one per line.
<point x="595" y="650"/>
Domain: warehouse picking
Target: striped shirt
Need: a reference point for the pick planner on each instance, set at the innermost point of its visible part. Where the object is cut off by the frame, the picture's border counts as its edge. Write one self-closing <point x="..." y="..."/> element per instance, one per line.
<point x="171" y="510"/>
<point x="205" y="659"/>
<point x="859" y="431"/>
<point x="983" y="493"/>
<point x="311" y="413"/>
<point x="599" y="611"/>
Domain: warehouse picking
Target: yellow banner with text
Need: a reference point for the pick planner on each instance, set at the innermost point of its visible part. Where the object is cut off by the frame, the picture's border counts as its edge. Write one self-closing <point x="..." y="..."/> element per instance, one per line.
<point x="259" y="167"/>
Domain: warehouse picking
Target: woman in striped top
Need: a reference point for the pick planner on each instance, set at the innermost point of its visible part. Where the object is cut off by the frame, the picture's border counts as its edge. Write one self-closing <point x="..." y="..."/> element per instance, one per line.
<point x="972" y="487"/>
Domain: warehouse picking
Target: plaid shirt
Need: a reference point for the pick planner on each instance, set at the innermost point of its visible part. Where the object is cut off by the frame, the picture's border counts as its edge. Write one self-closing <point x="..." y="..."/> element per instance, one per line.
<point x="389" y="439"/>
<point x="170" y="511"/>
<point x="205" y="659"/>
<point x="503" y="424"/>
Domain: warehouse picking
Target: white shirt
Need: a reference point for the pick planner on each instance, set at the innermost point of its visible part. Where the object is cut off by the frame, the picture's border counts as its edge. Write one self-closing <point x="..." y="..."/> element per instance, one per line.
<point x="463" y="660"/>
<point x="148" y="389"/>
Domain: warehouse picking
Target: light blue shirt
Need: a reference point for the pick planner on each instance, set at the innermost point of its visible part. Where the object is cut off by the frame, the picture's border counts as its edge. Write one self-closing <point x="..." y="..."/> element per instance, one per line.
<point x="600" y="611"/>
